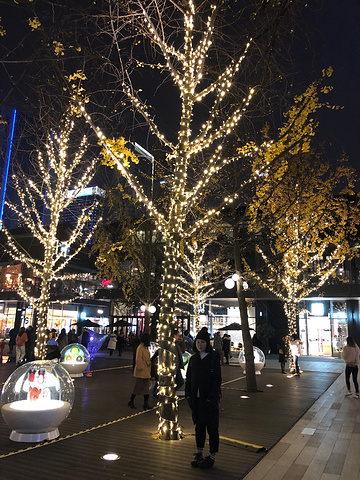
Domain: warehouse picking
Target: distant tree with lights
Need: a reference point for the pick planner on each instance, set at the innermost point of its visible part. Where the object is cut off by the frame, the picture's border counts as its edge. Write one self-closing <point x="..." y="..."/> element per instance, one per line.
<point x="188" y="42"/>
<point x="305" y="216"/>
<point x="199" y="277"/>
<point x="57" y="177"/>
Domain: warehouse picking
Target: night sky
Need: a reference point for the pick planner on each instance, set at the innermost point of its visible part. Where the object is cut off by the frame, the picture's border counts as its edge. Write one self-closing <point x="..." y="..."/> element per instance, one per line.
<point x="336" y="42"/>
<point x="332" y="38"/>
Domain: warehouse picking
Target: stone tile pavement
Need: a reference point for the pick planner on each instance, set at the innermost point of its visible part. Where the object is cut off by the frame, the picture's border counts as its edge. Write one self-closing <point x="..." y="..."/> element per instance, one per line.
<point x="323" y="445"/>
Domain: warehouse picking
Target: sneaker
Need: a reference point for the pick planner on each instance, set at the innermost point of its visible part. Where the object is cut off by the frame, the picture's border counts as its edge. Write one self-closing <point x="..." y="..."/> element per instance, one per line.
<point x="197" y="459"/>
<point x="348" y="394"/>
<point x="207" y="462"/>
<point x="356" y="395"/>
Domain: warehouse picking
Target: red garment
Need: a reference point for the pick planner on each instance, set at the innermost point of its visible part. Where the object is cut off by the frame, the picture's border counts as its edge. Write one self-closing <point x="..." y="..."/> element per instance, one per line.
<point x="20" y="341"/>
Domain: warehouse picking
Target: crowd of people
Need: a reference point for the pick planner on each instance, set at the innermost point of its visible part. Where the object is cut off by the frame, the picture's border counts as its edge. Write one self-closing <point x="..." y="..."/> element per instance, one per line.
<point x="23" y="341"/>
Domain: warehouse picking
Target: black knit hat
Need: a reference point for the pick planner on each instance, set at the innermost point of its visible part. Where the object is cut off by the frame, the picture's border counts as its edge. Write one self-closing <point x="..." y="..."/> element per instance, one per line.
<point x="203" y="335"/>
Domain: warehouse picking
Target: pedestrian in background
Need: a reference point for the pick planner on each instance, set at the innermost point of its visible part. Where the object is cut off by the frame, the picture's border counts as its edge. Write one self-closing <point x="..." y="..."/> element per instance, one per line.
<point x="121" y="342"/>
<point x="85" y="337"/>
<point x="202" y="390"/>
<point x="72" y="337"/>
<point x="112" y="342"/>
<point x="12" y="339"/>
<point x="62" y="339"/>
<point x="284" y="352"/>
<point x="226" y="341"/>
<point x="30" y="344"/>
<point x="21" y="339"/>
<point x="189" y="341"/>
<point x="142" y="372"/>
<point x="218" y="346"/>
<point x="295" y="347"/>
<point x="351" y="356"/>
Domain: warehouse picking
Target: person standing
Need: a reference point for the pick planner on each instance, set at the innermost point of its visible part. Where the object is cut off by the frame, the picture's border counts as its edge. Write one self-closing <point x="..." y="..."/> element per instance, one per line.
<point x="120" y="342"/>
<point x="72" y="337"/>
<point x="62" y="339"/>
<point x="30" y="344"/>
<point x="284" y="352"/>
<point x="226" y="341"/>
<point x="112" y="343"/>
<point x="351" y="356"/>
<point x="218" y="346"/>
<point x="142" y="372"/>
<point x="188" y="340"/>
<point x="203" y="391"/>
<point x="21" y="339"/>
<point x="295" y="347"/>
<point x="85" y="337"/>
<point x="12" y="340"/>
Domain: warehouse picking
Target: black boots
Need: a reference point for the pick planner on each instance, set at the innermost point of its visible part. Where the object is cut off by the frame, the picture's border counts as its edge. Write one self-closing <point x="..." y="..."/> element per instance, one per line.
<point x="131" y="401"/>
<point x="146" y="403"/>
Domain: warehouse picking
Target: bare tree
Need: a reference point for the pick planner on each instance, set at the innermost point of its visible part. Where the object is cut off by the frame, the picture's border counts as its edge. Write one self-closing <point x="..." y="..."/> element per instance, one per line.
<point x="60" y="175"/>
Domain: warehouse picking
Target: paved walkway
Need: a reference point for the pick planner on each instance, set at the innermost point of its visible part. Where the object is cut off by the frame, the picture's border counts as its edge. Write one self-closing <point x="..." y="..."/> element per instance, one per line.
<point x="306" y="426"/>
<point x="323" y="445"/>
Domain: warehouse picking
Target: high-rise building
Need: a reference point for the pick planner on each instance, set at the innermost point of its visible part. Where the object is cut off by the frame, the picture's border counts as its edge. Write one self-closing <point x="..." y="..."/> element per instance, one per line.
<point x="85" y="199"/>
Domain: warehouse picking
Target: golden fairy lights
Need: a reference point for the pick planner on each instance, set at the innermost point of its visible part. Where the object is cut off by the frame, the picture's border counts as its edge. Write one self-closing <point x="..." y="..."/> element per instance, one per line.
<point x="56" y="177"/>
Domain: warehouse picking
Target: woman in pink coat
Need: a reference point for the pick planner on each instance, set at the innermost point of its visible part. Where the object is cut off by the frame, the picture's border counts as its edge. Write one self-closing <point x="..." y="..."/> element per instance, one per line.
<point x="351" y="355"/>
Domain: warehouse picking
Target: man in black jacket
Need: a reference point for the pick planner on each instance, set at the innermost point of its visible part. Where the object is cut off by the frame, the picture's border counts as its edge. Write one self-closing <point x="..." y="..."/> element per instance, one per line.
<point x="203" y="391"/>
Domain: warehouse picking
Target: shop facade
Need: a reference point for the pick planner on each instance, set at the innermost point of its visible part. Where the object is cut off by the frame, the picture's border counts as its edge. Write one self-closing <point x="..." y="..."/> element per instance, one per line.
<point x="14" y="314"/>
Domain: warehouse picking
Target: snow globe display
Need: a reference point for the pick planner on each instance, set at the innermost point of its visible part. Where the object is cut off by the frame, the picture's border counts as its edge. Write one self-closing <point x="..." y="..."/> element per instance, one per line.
<point x="153" y="348"/>
<point x="259" y="360"/>
<point x="186" y="357"/>
<point x="35" y="399"/>
<point x="75" y="358"/>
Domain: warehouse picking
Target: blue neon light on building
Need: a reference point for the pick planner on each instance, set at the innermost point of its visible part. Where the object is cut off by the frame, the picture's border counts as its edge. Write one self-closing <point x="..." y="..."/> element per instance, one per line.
<point x="6" y="173"/>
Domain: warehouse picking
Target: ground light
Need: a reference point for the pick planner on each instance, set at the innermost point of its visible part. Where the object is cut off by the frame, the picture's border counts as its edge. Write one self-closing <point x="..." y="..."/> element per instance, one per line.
<point x="111" y="457"/>
<point x="244" y="396"/>
<point x="269" y="385"/>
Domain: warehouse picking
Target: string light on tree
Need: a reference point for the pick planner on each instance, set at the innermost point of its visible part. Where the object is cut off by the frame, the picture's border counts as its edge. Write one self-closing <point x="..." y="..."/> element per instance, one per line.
<point x="57" y="174"/>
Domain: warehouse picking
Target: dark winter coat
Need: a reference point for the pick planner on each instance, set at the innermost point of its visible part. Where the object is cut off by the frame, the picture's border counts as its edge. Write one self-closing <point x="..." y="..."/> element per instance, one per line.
<point x="203" y="381"/>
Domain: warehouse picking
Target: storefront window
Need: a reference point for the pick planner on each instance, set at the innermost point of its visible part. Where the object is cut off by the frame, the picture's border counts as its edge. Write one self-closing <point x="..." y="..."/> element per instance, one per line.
<point x="339" y="327"/>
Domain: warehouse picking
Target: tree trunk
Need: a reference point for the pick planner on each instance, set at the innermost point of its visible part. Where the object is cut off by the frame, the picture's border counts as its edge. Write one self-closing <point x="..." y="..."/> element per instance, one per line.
<point x="251" y="384"/>
<point x="42" y="308"/>
<point x="168" y="428"/>
<point x="291" y="311"/>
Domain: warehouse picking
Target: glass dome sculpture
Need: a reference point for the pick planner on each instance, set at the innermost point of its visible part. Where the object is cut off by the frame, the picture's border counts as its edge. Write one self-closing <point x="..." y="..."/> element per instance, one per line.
<point x="186" y="357"/>
<point x="35" y="399"/>
<point x="75" y="358"/>
<point x="153" y="348"/>
<point x="259" y="360"/>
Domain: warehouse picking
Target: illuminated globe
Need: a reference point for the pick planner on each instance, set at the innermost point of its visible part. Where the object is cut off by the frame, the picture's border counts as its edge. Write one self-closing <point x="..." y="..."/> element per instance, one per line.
<point x="35" y="399"/>
<point x="75" y="358"/>
<point x="153" y="348"/>
<point x="186" y="357"/>
<point x="259" y="360"/>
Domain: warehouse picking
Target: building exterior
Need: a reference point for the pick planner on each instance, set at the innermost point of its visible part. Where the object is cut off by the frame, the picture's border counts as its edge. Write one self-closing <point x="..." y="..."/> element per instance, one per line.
<point x="85" y="199"/>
